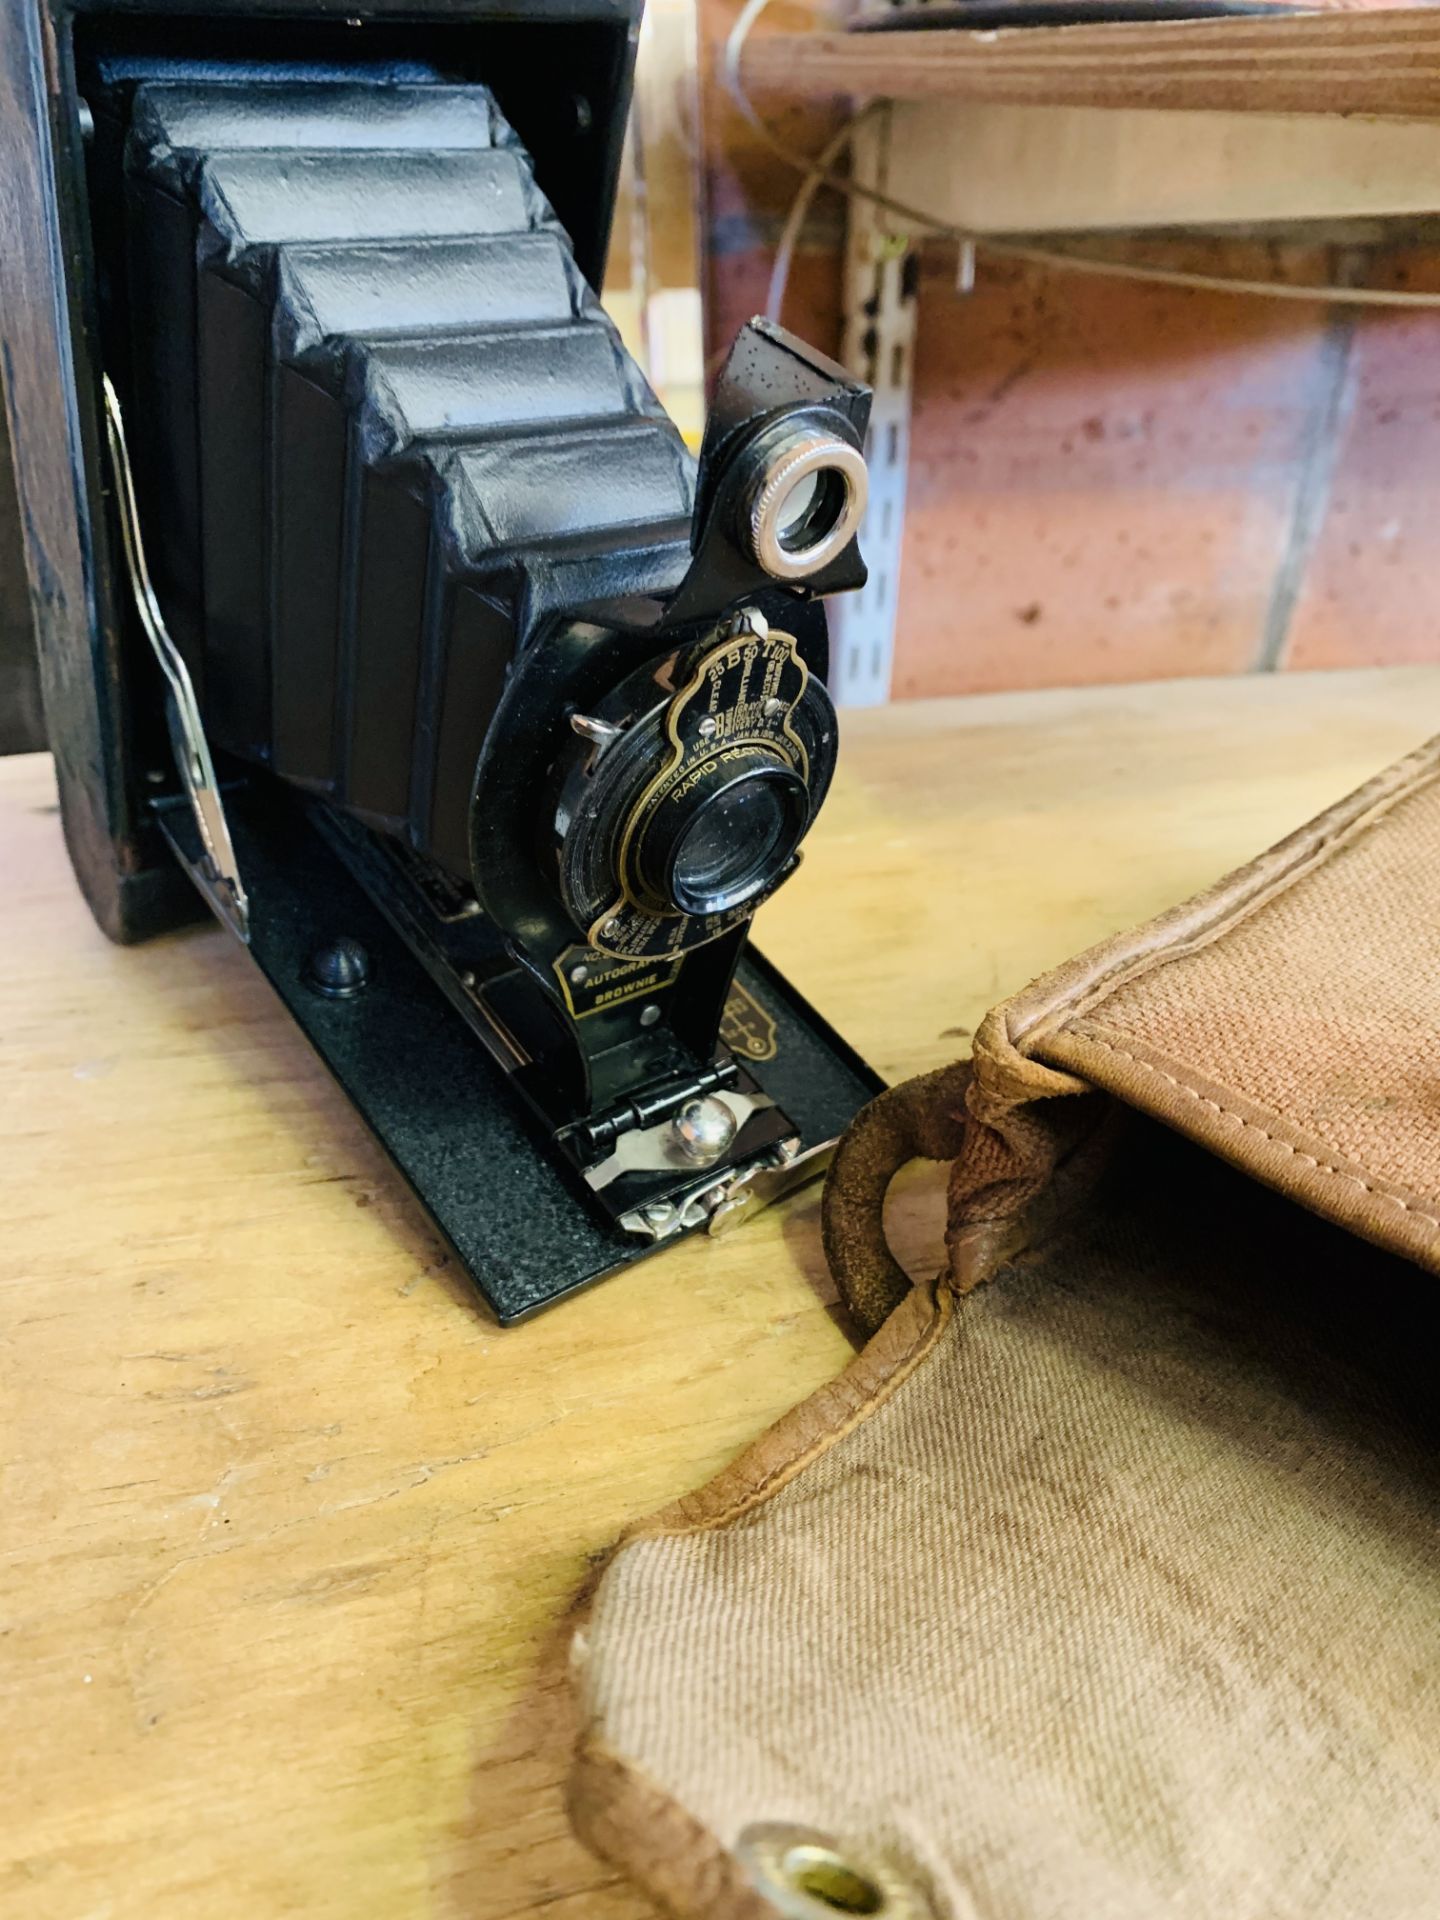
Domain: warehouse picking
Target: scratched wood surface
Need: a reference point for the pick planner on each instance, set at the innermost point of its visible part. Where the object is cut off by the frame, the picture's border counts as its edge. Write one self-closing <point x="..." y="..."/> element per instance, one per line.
<point x="290" y="1529"/>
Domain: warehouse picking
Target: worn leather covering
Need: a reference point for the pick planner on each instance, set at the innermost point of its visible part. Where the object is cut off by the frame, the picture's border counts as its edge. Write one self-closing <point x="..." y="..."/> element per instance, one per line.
<point x="1106" y="1581"/>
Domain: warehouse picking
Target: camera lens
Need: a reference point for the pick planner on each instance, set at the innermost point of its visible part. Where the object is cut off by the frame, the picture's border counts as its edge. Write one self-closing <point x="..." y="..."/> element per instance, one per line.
<point x="806" y="498"/>
<point x="810" y="512"/>
<point x="672" y="830"/>
<point x="733" y="847"/>
<point x="729" y="835"/>
<point x="793" y="514"/>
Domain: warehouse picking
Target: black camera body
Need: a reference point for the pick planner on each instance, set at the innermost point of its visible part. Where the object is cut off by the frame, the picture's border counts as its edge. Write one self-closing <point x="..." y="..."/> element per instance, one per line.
<point x="482" y="712"/>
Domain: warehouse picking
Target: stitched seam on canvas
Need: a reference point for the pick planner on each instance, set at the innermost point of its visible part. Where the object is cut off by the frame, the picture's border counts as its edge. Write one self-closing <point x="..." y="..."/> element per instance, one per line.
<point x="633" y="1807"/>
<point x="785" y="1470"/>
<point x="1132" y="966"/>
<point x="901" y="1372"/>
<point x="1254" y="1126"/>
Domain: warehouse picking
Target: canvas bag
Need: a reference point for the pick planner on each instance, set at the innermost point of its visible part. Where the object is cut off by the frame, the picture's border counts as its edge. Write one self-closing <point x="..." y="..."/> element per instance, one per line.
<point x="1105" y="1583"/>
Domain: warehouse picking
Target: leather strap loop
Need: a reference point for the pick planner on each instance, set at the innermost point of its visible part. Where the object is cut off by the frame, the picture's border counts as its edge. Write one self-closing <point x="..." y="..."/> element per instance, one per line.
<point x="922" y="1119"/>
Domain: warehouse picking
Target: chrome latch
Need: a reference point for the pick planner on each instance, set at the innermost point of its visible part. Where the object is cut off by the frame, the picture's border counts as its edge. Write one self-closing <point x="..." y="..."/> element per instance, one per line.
<point x="736" y="1196"/>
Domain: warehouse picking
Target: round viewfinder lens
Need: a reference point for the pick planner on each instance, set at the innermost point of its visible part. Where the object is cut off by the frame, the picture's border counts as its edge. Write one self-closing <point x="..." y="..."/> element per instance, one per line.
<point x="791" y="512"/>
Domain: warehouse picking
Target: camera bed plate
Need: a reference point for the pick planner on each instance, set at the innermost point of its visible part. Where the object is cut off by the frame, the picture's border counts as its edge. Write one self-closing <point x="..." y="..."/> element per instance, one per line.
<point x="436" y="1101"/>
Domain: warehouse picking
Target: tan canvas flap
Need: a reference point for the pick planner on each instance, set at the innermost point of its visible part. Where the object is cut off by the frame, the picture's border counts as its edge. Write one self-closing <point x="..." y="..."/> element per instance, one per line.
<point x="1110" y="1587"/>
<point x="1290" y="1019"/>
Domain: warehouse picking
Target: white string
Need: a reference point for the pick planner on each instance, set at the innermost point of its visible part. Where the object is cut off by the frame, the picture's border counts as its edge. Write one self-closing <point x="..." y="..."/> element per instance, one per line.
<point x="800" y="208"/>
<point x="818" y="173"/>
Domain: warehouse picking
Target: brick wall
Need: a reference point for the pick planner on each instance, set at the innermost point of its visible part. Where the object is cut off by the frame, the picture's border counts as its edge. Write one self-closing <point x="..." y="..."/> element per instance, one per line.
<point x="1112" y="481"/>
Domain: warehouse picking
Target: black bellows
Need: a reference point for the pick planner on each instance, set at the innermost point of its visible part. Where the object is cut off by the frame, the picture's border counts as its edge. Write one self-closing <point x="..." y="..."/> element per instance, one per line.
<point x="388" y="429"/>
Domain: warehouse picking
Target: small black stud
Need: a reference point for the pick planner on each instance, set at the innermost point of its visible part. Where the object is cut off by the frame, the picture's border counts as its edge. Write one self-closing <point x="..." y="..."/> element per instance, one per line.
<point x="339" y="969"/>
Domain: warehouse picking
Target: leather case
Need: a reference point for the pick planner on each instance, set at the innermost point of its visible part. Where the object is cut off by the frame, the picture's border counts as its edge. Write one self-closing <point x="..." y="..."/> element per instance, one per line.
<point x="1105" y="1581"/>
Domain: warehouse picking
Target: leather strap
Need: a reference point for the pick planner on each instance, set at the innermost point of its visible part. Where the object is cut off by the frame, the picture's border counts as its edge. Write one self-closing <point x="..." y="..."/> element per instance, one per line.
<point x="922" y="1119"/>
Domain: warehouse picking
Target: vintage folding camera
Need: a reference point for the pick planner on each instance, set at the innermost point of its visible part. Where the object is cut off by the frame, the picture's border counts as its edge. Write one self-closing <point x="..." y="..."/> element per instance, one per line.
<point x="379" y="597"/>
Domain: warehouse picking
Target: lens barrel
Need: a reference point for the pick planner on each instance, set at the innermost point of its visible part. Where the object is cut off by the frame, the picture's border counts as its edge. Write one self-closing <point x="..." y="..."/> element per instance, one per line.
<point x="724" y="839"/>
<point x="673" y="825"/>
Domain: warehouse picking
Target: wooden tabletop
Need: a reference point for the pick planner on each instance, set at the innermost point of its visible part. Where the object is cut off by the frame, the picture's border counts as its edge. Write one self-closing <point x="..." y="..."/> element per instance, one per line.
<point x="289" y="1527"/>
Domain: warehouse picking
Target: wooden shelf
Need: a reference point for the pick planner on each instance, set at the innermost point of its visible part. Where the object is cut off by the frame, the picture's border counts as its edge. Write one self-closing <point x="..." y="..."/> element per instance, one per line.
<point x="1385" y="63"/>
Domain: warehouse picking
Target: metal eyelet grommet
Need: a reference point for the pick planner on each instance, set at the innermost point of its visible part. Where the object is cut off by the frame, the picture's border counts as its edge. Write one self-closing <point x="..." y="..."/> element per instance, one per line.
<point x="806" y="1875"/>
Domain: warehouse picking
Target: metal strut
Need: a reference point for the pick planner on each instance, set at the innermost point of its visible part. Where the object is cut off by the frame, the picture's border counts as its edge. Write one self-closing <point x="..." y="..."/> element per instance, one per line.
<point x="218" y="870"/>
